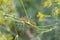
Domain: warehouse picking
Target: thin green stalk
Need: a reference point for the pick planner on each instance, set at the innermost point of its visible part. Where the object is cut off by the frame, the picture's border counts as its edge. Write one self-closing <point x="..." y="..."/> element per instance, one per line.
<point x="28" y="22"/>
<point x="24" y="8"/>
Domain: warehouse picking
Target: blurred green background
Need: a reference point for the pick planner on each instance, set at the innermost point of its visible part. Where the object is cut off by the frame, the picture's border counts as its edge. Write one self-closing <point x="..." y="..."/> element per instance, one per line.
<point x="29" y="19"/>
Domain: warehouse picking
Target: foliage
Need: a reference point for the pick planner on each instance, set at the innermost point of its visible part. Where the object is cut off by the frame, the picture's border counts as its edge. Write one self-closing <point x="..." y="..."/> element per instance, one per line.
<point x="29" y="19"/>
